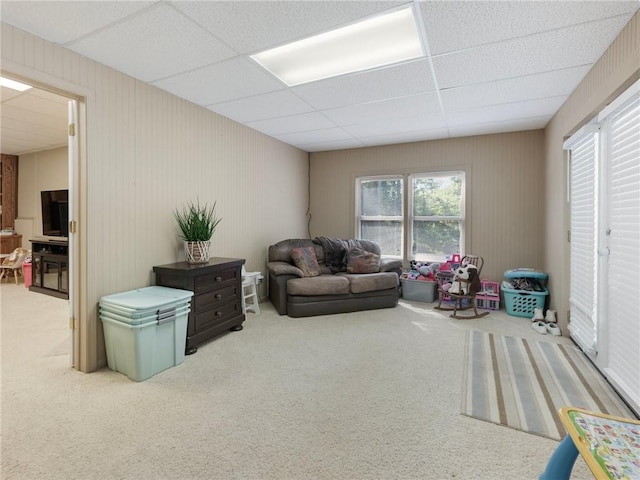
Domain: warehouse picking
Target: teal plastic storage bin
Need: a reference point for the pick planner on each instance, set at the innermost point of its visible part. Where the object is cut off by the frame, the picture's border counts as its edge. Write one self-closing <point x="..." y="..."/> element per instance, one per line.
<point x="520" y="302"/>
<point x="145" y="330"/>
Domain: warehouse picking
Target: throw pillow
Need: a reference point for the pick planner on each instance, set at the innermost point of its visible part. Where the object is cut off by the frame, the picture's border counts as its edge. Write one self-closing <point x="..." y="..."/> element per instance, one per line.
<point x="305" y="259"/>
<point x="361" y="261"/>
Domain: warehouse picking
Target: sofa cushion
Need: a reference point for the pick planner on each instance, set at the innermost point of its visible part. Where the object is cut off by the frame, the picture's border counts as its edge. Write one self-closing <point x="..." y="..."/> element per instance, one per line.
<point x="361" y="261"/>
<point x="322" y="285"/>
<point x="305" y="259"/>
<point x="369" y="282"/>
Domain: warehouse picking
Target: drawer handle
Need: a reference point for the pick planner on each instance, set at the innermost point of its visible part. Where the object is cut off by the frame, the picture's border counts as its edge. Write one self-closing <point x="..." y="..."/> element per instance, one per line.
<point x="218" y="314"/>
<point x="218" y="279"/>
<point x="218" y="296"/>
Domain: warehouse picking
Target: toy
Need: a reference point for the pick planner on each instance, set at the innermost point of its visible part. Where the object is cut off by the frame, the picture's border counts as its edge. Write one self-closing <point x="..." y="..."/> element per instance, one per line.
<point x="465" y="281"/>
<point x="429" y="271"/>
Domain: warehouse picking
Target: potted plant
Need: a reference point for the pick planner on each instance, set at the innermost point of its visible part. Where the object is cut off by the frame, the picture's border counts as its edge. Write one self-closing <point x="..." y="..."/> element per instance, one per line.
<point x="197" y="223"/>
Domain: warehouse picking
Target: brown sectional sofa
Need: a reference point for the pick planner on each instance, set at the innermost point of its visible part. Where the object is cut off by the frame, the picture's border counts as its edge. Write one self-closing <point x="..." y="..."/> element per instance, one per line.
<point x="334" y="290"/>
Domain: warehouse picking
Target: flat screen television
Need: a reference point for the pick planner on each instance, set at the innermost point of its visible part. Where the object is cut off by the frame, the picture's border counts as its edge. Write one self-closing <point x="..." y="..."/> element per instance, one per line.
<point x="55" y="213"/>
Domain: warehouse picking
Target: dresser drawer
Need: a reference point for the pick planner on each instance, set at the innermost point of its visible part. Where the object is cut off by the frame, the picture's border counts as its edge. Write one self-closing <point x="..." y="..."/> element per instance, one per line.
<point x="217" y="315"/>
<point x="212" y="281"/>
<point x="210" y="300"/>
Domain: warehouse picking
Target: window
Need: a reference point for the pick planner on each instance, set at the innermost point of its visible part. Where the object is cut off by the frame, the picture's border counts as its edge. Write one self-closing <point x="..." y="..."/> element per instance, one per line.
<point x="433" y="224"/>
<point x="437" y="215"/>
<point x="380" y="213"/>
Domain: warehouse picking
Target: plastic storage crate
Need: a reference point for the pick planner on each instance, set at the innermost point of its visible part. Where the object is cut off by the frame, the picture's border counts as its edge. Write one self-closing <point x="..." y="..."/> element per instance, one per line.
<point x="418" y="290"/>
<point x="145" y="330"/>
<point x="521" y="303"/>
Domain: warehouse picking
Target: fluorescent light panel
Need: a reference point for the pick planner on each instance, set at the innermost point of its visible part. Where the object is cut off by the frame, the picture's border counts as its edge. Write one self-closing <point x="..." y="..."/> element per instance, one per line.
<point x="374" y="42"/>
<point x="12" y="84"/>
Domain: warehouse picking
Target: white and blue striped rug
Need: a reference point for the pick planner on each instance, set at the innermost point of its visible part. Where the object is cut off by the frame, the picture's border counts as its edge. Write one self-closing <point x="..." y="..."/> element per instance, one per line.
<point x="522" y="384"/>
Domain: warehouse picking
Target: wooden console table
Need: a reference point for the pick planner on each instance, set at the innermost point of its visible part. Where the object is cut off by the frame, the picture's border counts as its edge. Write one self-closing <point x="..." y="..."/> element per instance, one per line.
<point x="216" y="305"/>
<point x="50" y="267"/>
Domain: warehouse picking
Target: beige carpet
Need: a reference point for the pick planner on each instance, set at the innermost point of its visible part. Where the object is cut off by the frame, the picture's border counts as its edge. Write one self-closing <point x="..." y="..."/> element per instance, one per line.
<point x="521" y="383"/>
<point x="368" y="395"/>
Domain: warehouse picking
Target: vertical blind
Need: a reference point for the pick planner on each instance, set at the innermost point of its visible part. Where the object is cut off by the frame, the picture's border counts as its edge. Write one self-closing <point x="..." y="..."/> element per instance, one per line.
<point x="605" y="241"/>
<point x="583" y="148"/>
<point x="622" y="152"/>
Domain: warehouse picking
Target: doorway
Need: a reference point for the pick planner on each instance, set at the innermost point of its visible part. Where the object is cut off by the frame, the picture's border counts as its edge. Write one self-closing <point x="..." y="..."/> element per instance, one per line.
<point x="42" y="126"/>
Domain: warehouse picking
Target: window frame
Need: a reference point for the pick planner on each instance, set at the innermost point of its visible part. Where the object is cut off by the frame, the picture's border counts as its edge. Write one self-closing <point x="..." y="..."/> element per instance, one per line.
<point x="435" y="218"/>
<point x="407" y="218"/>
<point x="358" y="211"/>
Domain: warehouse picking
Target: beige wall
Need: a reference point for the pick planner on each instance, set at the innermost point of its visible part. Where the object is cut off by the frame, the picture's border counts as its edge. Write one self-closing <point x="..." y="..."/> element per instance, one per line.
<point x="615" y="71"/>
<point x="505" y="184"/>
<point x="146" y="153"/>
<point x="44" y="170"/>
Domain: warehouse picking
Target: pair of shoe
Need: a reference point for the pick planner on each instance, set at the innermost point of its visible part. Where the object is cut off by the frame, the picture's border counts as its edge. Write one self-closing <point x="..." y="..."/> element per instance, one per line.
<point x="550" y="317"/>
<point x="546" y="327"/>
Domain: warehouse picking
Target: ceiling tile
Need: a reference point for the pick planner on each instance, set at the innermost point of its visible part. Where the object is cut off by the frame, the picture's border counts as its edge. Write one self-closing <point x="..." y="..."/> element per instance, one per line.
<point x="141" y="47"/>
<point x="315" y="136"/>
<point x="407" y="137"/>
<point x="229" y="80"/>
<point x="500" y="127"/>
<point x="294" y="123"/>
<point x="505" y="112"/>
<point x="501" y="66"/>
<point x="63" y="21"/>
<point x="409" y="78"/>
<point x="381" y="126"/>
<point x="332" y="145"/>
<point x="528" y="87"/>
<point x="261" y="107"/>
<point x="481" y="23"/>
<point x="251" y="26"/>
<point x="395" y="108"/>
<point x="554" y="50"/>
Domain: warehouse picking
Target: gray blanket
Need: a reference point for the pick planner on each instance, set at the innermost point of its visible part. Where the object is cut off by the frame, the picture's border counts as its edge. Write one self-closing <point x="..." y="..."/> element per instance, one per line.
<point x="335" y="253"/>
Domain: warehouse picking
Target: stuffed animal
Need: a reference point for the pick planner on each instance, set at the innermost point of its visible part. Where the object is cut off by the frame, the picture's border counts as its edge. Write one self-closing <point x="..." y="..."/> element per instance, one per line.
<point x="429" y="271"/>
<point x="465" y="281"/>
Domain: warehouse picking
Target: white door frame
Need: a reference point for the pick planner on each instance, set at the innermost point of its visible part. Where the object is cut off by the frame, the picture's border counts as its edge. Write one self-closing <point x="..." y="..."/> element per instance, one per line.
<point x="77" y="268"/>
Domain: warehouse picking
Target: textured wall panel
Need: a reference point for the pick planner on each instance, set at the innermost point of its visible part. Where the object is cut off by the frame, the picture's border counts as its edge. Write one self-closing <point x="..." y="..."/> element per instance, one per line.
<point x="504" y="174"/>
<point x="149" y="152"/>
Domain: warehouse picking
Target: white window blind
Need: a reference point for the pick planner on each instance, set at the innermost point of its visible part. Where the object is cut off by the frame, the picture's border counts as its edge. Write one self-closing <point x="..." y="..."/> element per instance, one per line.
<point x="583" y="148"/>
<point x="621" y="131"/>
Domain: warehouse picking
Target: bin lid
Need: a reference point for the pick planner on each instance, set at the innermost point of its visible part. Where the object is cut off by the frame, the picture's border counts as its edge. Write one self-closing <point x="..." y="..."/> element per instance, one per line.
<point x="112" y="314"/>
<point x="525" y="273"/>
<point x="146" y="301"/>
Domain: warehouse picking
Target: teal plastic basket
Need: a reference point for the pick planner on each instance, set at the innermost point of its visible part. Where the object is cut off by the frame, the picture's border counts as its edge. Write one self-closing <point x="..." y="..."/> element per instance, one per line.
<point x="521" y="303"/>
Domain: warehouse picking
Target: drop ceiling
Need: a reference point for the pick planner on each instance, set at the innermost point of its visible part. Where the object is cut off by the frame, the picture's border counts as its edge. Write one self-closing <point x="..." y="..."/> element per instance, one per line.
<point x="490" y="66"/>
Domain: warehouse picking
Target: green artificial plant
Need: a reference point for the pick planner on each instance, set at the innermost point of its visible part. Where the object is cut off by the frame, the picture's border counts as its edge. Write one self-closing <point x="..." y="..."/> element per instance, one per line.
<point x="197" y="222"/>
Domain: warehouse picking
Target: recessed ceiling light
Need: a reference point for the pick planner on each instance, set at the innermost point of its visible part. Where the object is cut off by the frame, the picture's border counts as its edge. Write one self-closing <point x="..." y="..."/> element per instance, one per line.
<point x="12" y="84"/>
<point x="375" y="42"/>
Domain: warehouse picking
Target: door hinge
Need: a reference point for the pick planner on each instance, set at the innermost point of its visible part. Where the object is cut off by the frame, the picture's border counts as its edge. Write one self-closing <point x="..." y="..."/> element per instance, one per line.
<point x="72" y="226"/>
<point x="569" y="236"/>
<point x="72" y="323"/>
<point x="72" y="129"/>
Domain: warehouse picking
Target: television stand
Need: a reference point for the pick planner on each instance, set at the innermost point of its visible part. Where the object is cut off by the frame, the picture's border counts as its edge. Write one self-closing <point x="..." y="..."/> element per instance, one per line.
<point x="50" y="267"/>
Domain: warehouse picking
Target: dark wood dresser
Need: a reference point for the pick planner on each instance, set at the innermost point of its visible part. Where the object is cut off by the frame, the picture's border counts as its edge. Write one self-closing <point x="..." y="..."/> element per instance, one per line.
<point x="216" y="305"/>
